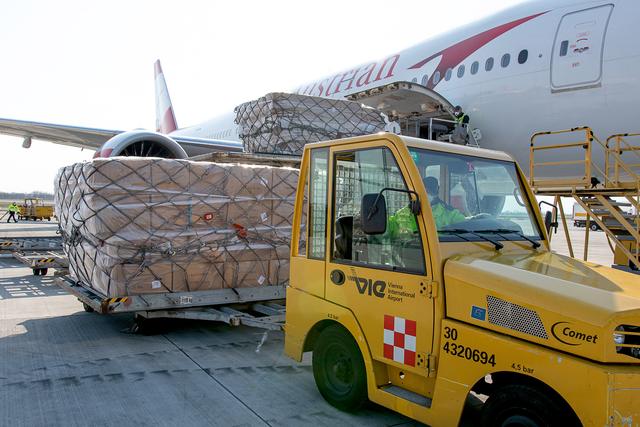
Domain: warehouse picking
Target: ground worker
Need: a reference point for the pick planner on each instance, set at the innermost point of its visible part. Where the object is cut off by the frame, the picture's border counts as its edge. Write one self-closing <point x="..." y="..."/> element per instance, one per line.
<point x="403" y="222"/>
<point x="460" y="133"/>
<point x="443" y="214"/>
<point x="13" y="210"/>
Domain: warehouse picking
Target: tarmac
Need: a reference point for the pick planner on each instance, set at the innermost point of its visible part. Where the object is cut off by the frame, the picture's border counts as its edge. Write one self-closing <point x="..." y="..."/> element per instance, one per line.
<point x="64" y="366"/>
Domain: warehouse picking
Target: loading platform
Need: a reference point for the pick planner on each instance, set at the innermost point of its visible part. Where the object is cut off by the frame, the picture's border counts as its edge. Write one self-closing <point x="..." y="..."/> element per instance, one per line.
<point x="608" y="191"/>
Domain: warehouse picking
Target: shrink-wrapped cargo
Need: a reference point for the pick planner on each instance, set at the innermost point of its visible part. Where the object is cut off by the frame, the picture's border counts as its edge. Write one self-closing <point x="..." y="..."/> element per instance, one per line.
<point x="282" y="123"/>
<point x="148" y="225"/>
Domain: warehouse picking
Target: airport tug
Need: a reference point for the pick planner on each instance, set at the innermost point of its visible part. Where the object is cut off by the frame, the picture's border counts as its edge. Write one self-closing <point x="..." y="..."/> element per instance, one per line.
<point x="421" y="273"/>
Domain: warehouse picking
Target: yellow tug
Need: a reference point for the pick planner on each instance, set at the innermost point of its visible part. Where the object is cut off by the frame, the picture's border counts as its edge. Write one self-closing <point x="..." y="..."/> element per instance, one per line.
<point x="421" y="274"/>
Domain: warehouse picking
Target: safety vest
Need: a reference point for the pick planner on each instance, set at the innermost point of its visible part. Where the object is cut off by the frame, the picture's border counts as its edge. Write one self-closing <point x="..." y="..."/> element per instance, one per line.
<point x="404" y="222"/>
<point x="459" y="120"/>
<point x="445" y="215"/>
<point x="14" y="208"/>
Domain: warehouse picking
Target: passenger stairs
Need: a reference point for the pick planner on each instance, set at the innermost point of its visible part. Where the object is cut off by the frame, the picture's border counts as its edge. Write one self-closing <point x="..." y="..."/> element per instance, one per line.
<point x="609" y="190"/>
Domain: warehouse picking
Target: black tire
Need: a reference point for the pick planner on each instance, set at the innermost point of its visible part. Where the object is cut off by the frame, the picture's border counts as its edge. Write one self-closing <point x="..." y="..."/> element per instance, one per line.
<point x="524" y="406"/>
<point x="632" y="266"/>
<point x="87" y="307"/>
<point x="36" y="271"/>
<point x="339" y="370"/>
<point x="594" y="227"/>
<point x="44" y="271"/>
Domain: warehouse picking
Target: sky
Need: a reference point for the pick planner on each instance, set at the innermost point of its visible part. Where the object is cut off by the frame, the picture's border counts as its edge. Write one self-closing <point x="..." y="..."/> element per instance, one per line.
<point x="90" y="64"/>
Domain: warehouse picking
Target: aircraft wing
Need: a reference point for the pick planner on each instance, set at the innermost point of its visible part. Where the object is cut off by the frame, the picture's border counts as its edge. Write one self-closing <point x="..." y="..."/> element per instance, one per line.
<point x="196" y="146"/>
<point x="93" y="139"/>
<point x="60" y="134"/>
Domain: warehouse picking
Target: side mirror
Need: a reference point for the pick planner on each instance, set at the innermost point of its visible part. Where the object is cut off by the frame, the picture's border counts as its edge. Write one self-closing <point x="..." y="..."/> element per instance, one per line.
<point x="549" y="222"/>
<point x="373" y="213"/>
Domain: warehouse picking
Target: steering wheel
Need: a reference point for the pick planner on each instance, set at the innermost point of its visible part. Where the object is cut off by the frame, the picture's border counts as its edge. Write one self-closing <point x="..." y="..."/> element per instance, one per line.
<point x="482" y="215"/>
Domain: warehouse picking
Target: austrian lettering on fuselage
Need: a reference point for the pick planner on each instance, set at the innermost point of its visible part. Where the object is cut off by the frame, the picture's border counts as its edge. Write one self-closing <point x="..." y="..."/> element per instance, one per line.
<point x="356" y="78"/>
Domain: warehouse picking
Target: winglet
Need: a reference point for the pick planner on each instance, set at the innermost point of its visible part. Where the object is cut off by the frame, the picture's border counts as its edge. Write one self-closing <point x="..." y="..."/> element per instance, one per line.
<point x="165" y="117"/>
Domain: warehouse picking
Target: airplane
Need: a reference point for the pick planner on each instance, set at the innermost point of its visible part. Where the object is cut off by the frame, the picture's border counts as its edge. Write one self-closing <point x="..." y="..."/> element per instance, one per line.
<point x="538" y="65"/>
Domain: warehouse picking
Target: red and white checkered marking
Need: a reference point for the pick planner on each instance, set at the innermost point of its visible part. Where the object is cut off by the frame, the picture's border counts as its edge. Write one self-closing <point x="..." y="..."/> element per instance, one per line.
<point x="400" y="340"/>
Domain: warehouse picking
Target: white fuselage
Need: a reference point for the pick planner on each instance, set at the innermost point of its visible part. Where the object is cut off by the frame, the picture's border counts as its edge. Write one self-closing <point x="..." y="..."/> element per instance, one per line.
<point x="571" y="63"/>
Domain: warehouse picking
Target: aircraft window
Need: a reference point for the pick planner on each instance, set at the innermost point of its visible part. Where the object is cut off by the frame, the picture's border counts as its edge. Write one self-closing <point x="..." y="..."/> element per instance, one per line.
<point x="447" y="75"/>
<point x="504" y="61"/>
<point x="461" y="71"/>
<point x="414" y="80"/>
<point x="564" y="47"/>
<point x="425" y="80"/>
<point x="489" y="64"/>
<point x="474" y="67"/>
<point x="522" y="56"/>
<point x="436" y="77"/>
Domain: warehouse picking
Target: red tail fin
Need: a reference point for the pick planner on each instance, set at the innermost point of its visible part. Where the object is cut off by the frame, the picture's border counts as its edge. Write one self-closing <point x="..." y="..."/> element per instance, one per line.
<point x="165" y="117"/>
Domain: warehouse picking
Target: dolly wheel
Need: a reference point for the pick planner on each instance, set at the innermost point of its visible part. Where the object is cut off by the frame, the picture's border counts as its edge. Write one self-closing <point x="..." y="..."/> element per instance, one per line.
<point x="36" y="271"/>
<point x="594" y="227"/>
<point x="339" y="370"/>
<point x="87" y="307"/>
<point x="524" y="406"/>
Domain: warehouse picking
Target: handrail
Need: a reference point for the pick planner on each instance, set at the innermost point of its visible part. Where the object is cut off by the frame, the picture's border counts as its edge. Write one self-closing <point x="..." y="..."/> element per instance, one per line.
<point x="586" y="144"/>
<point x="622" y="147"/>
<point x="613" y="166"/>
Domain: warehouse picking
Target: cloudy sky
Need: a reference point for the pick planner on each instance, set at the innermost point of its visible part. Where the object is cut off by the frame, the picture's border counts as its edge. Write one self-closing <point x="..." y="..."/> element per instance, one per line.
<point x="91" y="63"/>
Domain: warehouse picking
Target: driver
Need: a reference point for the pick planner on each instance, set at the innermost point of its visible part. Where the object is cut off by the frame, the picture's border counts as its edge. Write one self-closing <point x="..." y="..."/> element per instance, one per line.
<point x="403" y="222"/>
<point x="443" y="214"/>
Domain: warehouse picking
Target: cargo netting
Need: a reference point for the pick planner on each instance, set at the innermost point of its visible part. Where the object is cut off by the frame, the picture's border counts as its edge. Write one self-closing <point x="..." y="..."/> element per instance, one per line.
<point x="148" y="225"/>
<point x="282" y="123"/>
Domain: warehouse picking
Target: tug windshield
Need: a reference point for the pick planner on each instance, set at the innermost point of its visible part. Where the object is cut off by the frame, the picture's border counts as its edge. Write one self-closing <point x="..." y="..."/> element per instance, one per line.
<point x="473" y="198"/>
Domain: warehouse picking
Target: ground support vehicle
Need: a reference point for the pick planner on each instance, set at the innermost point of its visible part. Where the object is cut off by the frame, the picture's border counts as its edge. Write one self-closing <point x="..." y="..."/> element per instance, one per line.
<point x="252" y="306"/>
<point x="414" y="306"/>
<point x="35" y="209"/>
<point x="580" y="218"/>
<point x="258" y="307"/>
<point x="608" y="195"/>
<point x="23" y="244"/>
<point x="41" y="262"/>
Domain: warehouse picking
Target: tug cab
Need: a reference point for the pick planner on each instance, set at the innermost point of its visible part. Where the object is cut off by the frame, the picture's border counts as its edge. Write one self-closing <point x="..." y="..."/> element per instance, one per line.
<point x="417" y="301"/>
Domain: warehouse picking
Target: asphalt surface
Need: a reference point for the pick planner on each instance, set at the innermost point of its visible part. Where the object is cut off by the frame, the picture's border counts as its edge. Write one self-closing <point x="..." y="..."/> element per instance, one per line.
<point x="61" y="366"/>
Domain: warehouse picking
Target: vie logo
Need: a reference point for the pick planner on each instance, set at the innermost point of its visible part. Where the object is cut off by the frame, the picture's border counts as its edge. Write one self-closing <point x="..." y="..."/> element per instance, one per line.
<point x="368" y="286"/>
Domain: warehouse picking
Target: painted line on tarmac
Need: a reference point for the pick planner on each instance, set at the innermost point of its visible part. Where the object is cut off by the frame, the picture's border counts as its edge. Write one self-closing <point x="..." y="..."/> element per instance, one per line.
<point x="208" y="372"/>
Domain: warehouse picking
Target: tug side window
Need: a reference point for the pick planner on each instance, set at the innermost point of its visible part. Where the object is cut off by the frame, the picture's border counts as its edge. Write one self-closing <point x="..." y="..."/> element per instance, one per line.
<point x="361" y="172"/>
<point x="318" y="203"/>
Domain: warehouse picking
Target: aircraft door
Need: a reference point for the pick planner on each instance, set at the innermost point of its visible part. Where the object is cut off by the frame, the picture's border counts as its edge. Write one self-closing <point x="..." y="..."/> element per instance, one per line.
<point x="576" y="58"/>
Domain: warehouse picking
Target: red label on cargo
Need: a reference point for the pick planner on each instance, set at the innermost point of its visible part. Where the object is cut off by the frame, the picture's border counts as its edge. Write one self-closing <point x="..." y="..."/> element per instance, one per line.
<point x="208" y="216"/>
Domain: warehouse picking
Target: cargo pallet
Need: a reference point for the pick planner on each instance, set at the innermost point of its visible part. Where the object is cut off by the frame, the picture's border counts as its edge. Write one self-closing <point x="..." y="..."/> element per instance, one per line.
<point x="41" y="262"/>
<point x="261" y="307"/>
<point x="24" y="244"/>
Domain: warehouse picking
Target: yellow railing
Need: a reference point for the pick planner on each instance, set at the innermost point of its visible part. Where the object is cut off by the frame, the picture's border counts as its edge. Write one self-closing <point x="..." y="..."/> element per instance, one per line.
<point x="611" y="174"/>
<point x="617" y="147"/>
<point x="584" y="143"/>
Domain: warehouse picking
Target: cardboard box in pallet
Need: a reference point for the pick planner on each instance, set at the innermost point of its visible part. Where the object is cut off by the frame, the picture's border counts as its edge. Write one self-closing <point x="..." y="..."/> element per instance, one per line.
<point x="138" y="235"/>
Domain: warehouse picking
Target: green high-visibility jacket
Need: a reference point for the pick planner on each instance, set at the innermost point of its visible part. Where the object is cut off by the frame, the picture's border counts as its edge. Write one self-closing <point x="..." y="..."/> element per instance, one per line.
<point x="404" y="222"/>
<point x="13" y="208"/>
<point x="460" y="120"/>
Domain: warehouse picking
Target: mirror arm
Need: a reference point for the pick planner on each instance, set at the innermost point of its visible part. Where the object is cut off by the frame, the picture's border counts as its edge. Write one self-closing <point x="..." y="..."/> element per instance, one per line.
<point x="414" y="203"/>
<point x="554" y="224"/>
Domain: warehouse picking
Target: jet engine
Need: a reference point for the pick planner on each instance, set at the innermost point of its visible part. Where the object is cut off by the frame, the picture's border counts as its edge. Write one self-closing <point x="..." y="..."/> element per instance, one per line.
<point x="141" y="143"/>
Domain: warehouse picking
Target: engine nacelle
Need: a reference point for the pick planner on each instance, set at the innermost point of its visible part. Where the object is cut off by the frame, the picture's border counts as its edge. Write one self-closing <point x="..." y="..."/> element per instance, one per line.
<point x="141" y="143"/>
